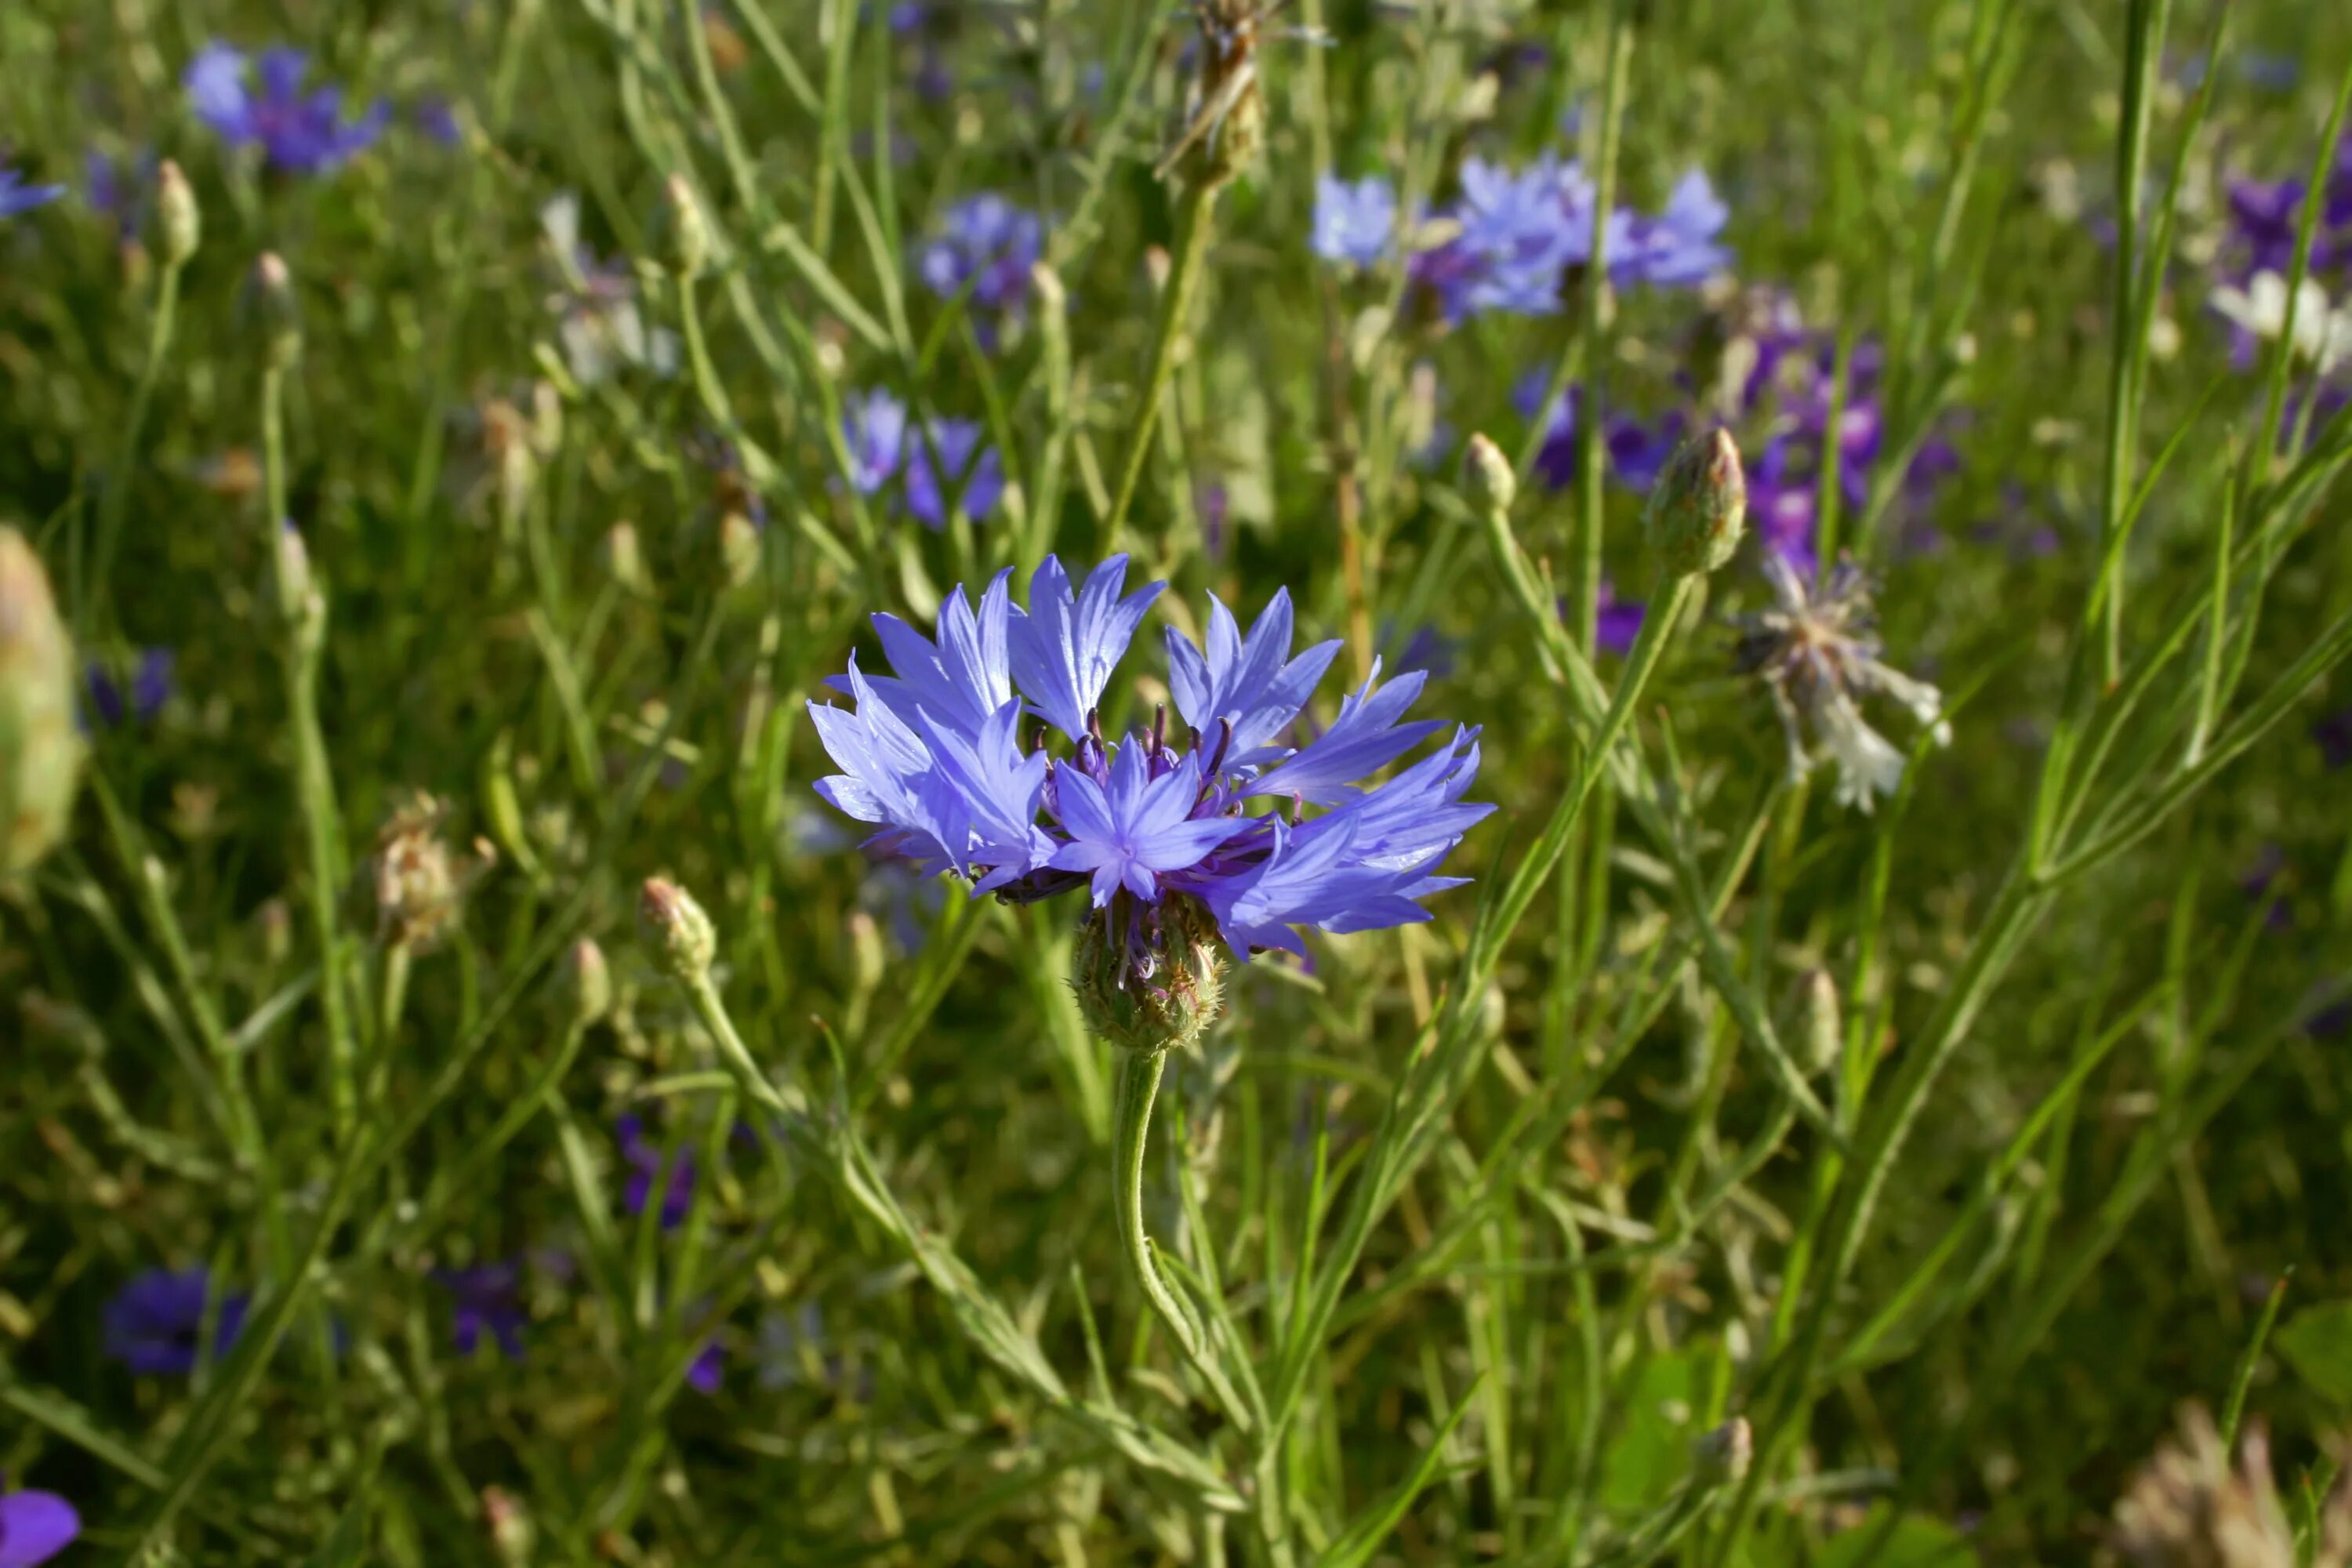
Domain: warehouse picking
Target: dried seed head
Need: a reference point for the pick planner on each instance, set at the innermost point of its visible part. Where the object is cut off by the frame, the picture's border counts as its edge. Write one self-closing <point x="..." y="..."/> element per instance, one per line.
<point x="40" y="748"/>
<point x="176" y="213"/>
<point x="676" y="934"/>
<point x="739" y="549"/>
<point x="1486" y="477"/>
<point x="1698" y="507"/>
<point x="420" y="884"/>
<point x="2191" y="1508"/>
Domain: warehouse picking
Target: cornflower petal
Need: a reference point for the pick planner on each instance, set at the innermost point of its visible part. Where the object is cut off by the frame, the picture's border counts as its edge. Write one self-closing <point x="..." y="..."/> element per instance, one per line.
<point x="1064" y="649"/>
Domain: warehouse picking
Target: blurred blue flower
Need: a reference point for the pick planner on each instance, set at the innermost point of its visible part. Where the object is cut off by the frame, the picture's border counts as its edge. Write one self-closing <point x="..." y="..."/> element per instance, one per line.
<point x="1677" y="247"/>
<point x="34" y="1526"/>
<point x="648" y="1163"/>
<point x="485" y="1299"/>
<point x="709" y="1368"/>
<point x="299" y="134"/>
<point x="150" y="689"/>
<point x="1355" y="222"/>
<point x="931" y="758"/>
<point x="153" y="1324"/>
<point x="988" y="244"/>
<point x="1619" y="621"/>
<point x="119" y="188"/>
<point x="16" y="197"/>
<point x="438" y="120"/>
<point x="1519" y="230"/>
<point x="946" y="454"/>
<point x="874" y="427"/>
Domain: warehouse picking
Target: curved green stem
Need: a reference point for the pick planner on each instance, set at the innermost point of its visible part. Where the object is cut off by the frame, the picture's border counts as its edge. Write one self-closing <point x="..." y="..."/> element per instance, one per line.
<point x="109" y="510"/>
<point x="1193" y="222"/>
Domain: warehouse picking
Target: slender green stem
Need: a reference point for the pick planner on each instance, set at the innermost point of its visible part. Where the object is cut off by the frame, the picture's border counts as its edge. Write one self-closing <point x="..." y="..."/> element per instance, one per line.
<point x="118" y="490"/>
<point x="1195" y="217"/>
<point x="1594" y="333"/>
<point x="2144" y="43"/>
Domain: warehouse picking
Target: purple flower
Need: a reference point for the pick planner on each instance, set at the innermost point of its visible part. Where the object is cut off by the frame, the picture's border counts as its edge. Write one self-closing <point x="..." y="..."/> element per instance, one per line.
<point x="1782" y="502"/>
<point x="945" y="459"/>
<point x="152" y="1325"/>
<point x="119" y="188"/>
<point x="2333" y="734"/>
<point x="35" y="1527"/>
<point x="1633" y="452"/>
<point x="874" y="427"/>
<point x="297" y="134"/>
<point x="709" y="1367"/>
<point x="988" y="244"/>
<point x="438" y="121"/>
<point x="486" y="1297"/>
<point x="649" y="1164"/>
<point x="930" y="758"/>
<point x="1677" y="248"/>
<point x="1516" y="237"/>
<point x="150" y="688"/>
<point x="1619" y="621"/>
<point x="16" y="197"/>
<point x="1354" y="222"/>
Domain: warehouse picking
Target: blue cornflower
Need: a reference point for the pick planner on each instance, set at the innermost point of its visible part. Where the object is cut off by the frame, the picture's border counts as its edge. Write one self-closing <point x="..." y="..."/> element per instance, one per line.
<point x="152" y="1325"/>
<point x="1677" y="247"/>
<point x="34" y="1526"/>
<point x="1354" y="221"/>
<point x="486" y="1298"/>
<point x="16" y="197"/>
<point x="1520" y="231"/>
<point x="1168" y="838"/>
<point x="874" y="427"/>
<point x="990" y="244"/>
<point x="150" y="689"/>
<point x="947" y="457"/>
<point x="648" y="1163"/>
<point x="437" y="119"/>
<point x="299" y="134"/>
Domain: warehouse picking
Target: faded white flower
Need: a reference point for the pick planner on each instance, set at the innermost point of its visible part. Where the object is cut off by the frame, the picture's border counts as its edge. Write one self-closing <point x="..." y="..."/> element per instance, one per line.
<point x="2191" y="1508"/>
<point x="1817" y="651"/>
<point x="2322" y="336"/>
<point x="596" y="305"/>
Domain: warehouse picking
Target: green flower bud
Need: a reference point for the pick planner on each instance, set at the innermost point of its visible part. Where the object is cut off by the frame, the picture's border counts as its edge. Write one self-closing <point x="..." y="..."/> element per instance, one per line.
<point x="676" y="934"/>
<point x="587" y="982"/>
<point x="625" y="560"/>
<point x="1487" y="479"/>
<point x="739" y="549"/>
<point x="1822" y="1045"/>
<point x="1698" y="507"/>
<point x="176" y="213"/>
<point x="1721" y="1458"/>
<point x="689" y="232"/>
<point x="1148" y="977"/>
<point x="40" y="749"/>
<point x="281" y="314"/>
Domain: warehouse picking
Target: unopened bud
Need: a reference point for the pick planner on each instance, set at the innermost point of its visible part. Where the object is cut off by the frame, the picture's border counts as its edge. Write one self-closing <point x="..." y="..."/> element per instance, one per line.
<point x="281" y="315"/>
<point x="176" y="213"/>
<point x="587" y="982"/>
<point x="1822" y="1045"/>
<point x="1721" y="1458"/>
<point x="513" y="1535"/>
<point x="868" y="962"/>
<point x="1051" y="294"/>
<point x="40" y="749"/>
<point x="1698" y="505"/>
<point x="290" y="584"/>
<point x="739" y="549"/>
<point x="676" y="934"/>
<point x="689" y="232"/>
<point x="624" y="559"/>
<point x="1486" y="477"/>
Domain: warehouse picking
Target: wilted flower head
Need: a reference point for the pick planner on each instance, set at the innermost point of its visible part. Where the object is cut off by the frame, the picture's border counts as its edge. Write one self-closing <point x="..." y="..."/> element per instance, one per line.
<point x="153" y="1324"/>
<point x="2191" y="1508"/>
<point x="1175" y="843"/>
<point x="34" y="1526"/>
<point x="17" y="196"/>
<point x="1817" y="651"/>
<point x="1355" y="221"/>
<point x="597" y="304"/>
<point x="420" y="883"/>
<point x="299" y="134"/>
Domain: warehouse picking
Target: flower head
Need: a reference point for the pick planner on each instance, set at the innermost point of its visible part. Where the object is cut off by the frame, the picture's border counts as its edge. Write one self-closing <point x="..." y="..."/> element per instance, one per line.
<point x="1677" y="247"/>
<point x="988" y="244"/>
<point x="297" y="133"/>
<point x="2191" y="1507"/>
<point x="1169" y="837"/>
<point x="35" y="1527"/>
<point x="1817" y="651"/>
<point x="16" y="197"/>
<point x="485" y="1299"/>
<point x="948" y="462"/>
<point x="874" y="428"/>
<point x="1355" y="221"/>
<point x="154" y="1324"/>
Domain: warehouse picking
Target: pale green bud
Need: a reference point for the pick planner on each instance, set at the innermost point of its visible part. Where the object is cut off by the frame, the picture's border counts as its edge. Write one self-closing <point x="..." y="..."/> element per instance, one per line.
<point x="689" y="232"/>
<point x="1822" y="1044"/>
<point x="1487" y="479"/>
<point x="587" y="982"/>
<point x="176" y="213"/>
<point x="624" y="559"/>
<point x="1698" y="507"/>
<point x="676" y="934"/>
<point x="281" y="314"/>
<point x="739" y="549"/>
<point x="40" y="749"/>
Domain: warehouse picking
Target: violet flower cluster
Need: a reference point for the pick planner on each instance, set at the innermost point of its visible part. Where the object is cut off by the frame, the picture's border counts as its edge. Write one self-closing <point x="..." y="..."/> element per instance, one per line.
<point x="936" y="464"/>
<point x="1155" y="829"/>
<point x="1516" y="233"/>
<point x="988" y="245"/>
<point x="261" y="103"/>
